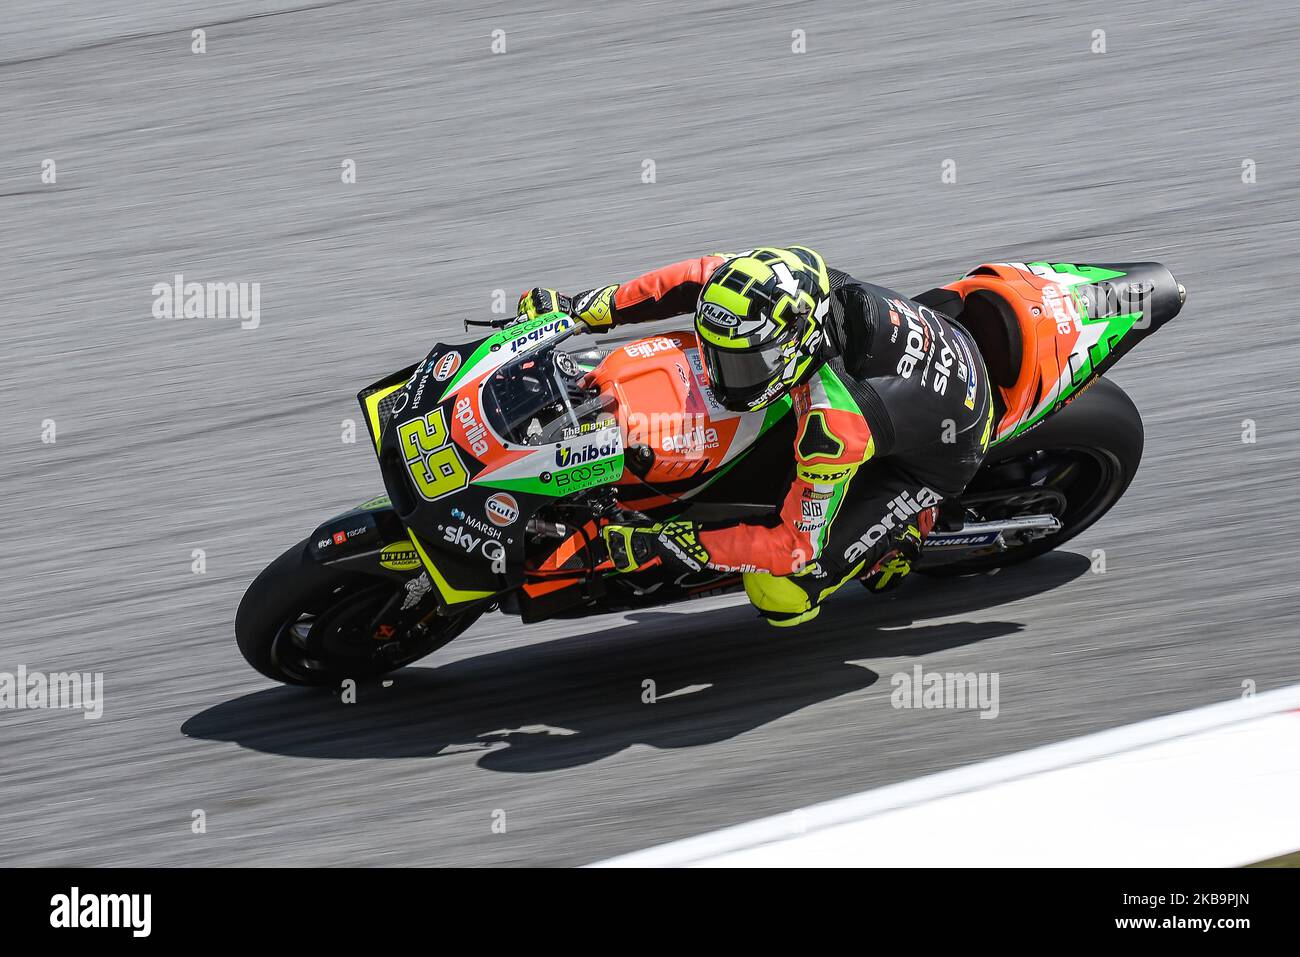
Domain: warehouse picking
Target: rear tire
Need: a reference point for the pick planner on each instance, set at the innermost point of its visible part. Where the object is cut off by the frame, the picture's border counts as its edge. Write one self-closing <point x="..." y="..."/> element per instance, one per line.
<point x="273" y="626"/>
<point x="1098" y="436"/>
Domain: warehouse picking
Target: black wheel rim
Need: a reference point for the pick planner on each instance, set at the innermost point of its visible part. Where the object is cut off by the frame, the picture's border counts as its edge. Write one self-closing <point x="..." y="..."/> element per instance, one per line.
<point x="330" y="640"/>
<point x="1075" y="485"/>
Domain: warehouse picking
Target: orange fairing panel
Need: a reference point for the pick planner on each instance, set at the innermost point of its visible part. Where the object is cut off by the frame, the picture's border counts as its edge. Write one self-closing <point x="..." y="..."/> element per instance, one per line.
<point x="564" y="566"/>
<point x="656" y="381"/>
<point x="1046" y="345"/>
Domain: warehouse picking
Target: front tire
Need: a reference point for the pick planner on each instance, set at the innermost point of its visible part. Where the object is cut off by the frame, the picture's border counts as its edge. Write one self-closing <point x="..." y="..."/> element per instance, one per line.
<point x="1076" y="465"/>
<point x="299" y="623"/>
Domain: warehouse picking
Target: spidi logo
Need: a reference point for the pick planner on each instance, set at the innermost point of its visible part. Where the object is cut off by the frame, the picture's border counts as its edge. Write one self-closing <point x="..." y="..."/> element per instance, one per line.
<point x="566" y="455"/>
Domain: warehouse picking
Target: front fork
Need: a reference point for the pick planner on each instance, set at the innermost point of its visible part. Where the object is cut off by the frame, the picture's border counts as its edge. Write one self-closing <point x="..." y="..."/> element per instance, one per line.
<point x="371" y="540"/>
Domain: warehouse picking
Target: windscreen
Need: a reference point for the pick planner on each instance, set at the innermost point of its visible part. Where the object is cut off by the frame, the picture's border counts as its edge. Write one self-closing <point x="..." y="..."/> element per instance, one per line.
<point x="541" y="398"/>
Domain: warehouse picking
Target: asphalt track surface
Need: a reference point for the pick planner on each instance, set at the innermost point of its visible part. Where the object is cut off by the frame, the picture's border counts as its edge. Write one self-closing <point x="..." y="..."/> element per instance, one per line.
<point x="478" y="172"/>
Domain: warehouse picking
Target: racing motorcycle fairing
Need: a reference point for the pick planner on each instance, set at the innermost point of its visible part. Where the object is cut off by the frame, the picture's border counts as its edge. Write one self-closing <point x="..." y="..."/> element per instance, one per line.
<point x="1048" y="330"/>
<point x="501" y="455"/>
<point x="471" y="441"/>
<point x="503" y="459"/>
<point x="476" y="440"/>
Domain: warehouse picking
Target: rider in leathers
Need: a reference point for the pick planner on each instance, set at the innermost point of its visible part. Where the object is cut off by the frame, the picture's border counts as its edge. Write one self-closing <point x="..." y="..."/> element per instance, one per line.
<point x="893" y="404"/>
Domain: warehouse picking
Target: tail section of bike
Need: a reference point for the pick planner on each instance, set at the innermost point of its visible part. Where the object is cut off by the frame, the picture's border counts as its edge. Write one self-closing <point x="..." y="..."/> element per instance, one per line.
<point x="1048" y="330"/>
<point x="1067" y="442"/>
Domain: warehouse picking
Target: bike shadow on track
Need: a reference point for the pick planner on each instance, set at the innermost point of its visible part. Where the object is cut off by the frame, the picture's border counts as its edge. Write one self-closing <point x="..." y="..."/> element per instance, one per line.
<point x="570" y="701"/>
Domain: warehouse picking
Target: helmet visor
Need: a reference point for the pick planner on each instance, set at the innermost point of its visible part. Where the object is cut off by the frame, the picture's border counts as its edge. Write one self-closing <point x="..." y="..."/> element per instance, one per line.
<point x="740" y="376"/>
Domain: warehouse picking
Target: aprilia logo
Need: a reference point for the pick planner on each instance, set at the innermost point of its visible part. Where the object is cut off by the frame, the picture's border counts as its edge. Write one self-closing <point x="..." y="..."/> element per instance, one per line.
<point x="695" y="440"/>
<point x="913" y="348"/>
<point x="647" y="348"/>
<point x="901" y="507"/>
<point x="475" y="431"/>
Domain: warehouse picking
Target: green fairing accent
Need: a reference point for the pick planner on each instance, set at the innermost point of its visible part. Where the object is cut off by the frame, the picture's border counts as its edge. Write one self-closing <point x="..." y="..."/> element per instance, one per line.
<point x="1116" y="328"/>
<point x="500" y="338"/>
<point x="484" y="348"/>
<point x="1090" y="273"/>
<point x="832" y="509"/>
<point x="383" y="501"/>
<point x="835" y="390"/>
<point x="774" y="413"/>
<point x="533" y="485"/>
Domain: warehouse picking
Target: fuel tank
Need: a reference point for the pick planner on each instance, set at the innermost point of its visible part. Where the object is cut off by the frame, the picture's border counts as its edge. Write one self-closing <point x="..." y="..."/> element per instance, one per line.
<point x="677" y="437"/>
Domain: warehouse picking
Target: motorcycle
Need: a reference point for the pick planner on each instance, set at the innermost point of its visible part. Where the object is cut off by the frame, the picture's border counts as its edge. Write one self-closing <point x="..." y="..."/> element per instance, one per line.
<point x="503" y="457"/>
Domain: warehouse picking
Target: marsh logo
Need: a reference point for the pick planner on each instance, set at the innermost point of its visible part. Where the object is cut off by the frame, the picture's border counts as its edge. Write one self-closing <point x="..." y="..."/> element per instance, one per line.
<point x="75" y="910"/>
<point x="447" y="366"/>
<point x="712" y="312"/>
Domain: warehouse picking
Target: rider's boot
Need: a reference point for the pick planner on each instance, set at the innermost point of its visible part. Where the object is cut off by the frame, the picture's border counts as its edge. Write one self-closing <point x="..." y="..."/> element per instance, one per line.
<point x="896" y="564"/>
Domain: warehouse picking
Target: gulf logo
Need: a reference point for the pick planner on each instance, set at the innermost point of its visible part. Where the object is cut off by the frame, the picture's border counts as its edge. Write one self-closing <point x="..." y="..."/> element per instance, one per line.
<point x="502" y="509"/>
<point x="447" y="366"/>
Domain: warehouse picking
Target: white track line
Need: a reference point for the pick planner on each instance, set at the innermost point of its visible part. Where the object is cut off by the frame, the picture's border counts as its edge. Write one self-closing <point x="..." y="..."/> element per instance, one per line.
<point x="1218" y="786"/>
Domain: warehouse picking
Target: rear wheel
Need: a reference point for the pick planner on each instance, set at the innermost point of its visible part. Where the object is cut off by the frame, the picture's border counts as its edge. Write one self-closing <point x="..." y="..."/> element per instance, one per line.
<point x="304" y="623"/>
<point x="1074" y="467"/>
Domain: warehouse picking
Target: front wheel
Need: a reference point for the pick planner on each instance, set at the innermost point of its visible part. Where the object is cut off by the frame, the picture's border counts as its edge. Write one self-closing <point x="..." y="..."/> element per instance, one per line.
<point x="1074" y="467"/>
<point x="304" y="623"/>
